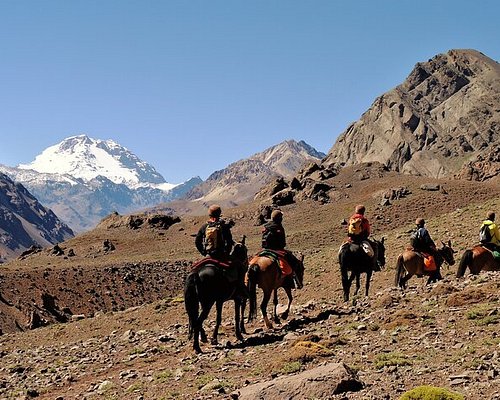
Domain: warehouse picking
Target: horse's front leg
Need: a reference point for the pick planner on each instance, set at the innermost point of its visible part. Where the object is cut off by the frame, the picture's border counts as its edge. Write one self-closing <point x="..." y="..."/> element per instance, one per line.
<point x="237" y="319"/>
<point x="345" y="282"/>
<point x="263" y="308"/>
<point x="218" y="320"/>
<point x="289" y="295"/>
<point x="275" y="306"/>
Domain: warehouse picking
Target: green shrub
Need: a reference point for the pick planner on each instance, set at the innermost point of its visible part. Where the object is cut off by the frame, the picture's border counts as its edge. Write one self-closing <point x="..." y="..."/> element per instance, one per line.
<point x="390" y="359"/>
<point x="291" y="367"/>
<point x="431" y="393"/>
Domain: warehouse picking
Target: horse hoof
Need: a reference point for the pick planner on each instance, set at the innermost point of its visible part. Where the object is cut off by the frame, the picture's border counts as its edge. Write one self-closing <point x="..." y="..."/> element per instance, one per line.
<point x="197" y="350"/>
<point x="214" y="342"/>
<point x="284" y="315"/>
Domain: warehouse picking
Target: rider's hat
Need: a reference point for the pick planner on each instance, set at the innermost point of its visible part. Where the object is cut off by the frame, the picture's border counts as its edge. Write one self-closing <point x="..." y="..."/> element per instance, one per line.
<point x="276" y="215"/>
<point x="360" y="209"/>
<point x="420" y="221"/>
<point x="491" y="216"/>
<point x="214" y="211"/>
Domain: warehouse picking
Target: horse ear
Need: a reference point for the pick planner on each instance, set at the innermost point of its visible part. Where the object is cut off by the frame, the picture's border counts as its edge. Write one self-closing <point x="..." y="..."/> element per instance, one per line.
<point x="443" y="243"/>
<point x="383" y="240"/>
<point x="243" y="240"/>
<point x="449" y="243"/>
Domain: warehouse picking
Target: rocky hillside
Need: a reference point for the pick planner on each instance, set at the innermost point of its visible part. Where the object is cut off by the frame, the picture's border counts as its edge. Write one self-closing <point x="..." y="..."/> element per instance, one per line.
<point x="444" y="119"/>
<point x="24" y="222"/>
<point x="238" y="183"/>
<point x="127" y="332"/>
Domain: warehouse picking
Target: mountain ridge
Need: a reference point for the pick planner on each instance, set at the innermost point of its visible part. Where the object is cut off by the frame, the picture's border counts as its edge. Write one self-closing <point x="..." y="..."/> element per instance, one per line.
<point x="240" y="181"/>
<point x="24" y="222"/>
<point x="443" y="116"/>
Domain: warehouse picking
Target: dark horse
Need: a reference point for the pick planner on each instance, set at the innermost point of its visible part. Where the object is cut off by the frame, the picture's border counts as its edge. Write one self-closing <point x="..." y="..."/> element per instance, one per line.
<point x="209" y="285"/>
<point x="353" y="258"/>
<point x="411" y="263"/>
<point x="265" y="273"/>
<point x="478" y="259"/>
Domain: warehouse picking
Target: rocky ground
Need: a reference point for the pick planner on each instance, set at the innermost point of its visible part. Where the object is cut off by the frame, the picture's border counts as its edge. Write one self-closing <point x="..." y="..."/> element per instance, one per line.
<point x="126" y="335"/>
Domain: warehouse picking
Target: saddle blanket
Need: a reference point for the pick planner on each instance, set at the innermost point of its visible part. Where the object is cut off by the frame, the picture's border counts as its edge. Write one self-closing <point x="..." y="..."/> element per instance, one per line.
<point x="209" y="260"/>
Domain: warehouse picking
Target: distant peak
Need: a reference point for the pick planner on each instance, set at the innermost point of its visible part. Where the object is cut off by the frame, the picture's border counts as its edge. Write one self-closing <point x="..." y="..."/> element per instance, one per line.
<point x="84" y="157"/>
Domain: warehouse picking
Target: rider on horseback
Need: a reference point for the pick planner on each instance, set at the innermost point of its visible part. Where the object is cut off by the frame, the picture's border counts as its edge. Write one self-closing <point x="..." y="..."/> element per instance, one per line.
<point x="358" y="231"/>
<point x="214" y="237"/>
<point x="422" y="242"/>
<point x="494" y="232"/>
<point x="274" y="238"/>
<point x="214" y="240"/>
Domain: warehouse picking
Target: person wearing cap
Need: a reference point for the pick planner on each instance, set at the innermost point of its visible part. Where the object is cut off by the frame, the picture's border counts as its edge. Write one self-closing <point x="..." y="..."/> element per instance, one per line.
<point x="220" y="248"/>
<point x="422" y="242"/>
<point x="273" y="234"/>
<point x="494" y="243"/>
<point x="364" y="230"/>
<point x="358" y="231"/>
<point x="274" y="238"/>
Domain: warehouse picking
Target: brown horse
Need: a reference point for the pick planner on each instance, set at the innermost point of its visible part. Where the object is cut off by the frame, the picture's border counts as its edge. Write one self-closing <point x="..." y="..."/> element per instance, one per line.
<point x="411" y="263"/>
<point x="266" y="273"/>
<point x="478" y="259"/>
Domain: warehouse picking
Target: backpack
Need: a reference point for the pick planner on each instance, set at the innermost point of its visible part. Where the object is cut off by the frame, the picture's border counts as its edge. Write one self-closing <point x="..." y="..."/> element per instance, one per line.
<point x="485" y="234"/>
<point x="213" y="237"/>
<point x="354" y="227"/>
<point x="415" y="239"/>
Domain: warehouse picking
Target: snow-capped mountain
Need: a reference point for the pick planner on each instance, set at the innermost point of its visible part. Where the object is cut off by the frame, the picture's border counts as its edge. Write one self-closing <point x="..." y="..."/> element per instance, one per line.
<point x="86" y="158"/>
<point x="83" y="179"/>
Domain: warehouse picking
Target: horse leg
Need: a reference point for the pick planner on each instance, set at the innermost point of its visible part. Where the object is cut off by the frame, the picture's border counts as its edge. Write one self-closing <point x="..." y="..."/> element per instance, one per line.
<point x="358" y="285"/>
<point x="345" y="279"/>
<point x="405" y="279"/>
<point x="346" y="285"/>
<point x="263" y="308"/>
<point x="275" y="306"/>
<point x="243" y="305"/>
<point x="205" y="310"/>
<point x="237" y="319"/>
<point x="368" y="279"/>
<point x="289" y="295"/>
<point x="218" y="320"/>
<point x="349" y="283"/>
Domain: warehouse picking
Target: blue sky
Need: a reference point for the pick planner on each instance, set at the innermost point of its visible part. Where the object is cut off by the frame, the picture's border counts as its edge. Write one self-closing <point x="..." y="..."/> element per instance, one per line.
<point x="191" y="86"/>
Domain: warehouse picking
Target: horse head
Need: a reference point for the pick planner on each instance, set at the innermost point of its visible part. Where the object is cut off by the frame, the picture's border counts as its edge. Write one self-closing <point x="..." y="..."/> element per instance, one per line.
<point x="240" y="251"/>
<point x="447" y="252"/>
<point x="299" y="271"/>
<point x="380" y="251"/>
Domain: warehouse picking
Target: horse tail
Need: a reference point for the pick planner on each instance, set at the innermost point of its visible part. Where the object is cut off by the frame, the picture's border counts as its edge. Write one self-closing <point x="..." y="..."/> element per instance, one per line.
<point x="253" y="271"/>
<point x="465" y="262"/>
<point x="191" y="299"/>
<point x="399" y="271"/>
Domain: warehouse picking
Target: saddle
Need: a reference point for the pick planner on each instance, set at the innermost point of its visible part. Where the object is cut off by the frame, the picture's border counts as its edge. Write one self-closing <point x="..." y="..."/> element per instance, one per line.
<point x="277" y="256"/>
